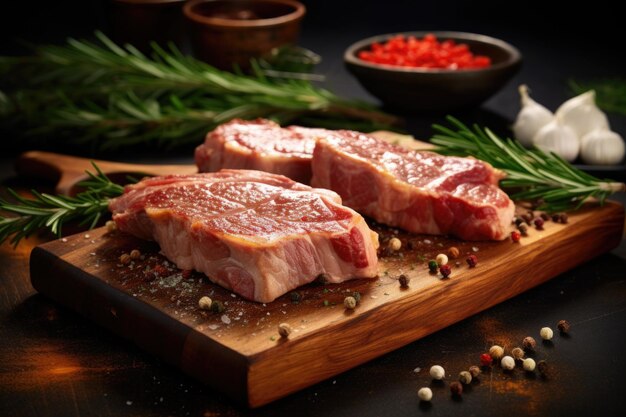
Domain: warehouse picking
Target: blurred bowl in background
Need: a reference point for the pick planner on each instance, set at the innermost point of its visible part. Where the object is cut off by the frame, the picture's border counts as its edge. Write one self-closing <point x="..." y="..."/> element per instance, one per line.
<point x="224" y="33"/>
<point x="139" y="22"/>
<point x="423" y="89"/>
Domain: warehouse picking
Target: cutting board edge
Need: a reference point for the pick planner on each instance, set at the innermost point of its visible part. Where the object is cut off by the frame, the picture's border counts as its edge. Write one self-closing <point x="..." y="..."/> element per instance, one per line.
<point x="256" y="375"/>
<point x="186" y="348"/>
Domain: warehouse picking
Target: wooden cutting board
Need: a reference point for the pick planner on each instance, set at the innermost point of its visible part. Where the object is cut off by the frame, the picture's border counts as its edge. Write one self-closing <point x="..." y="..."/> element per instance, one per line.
<point x="239" y="351"/>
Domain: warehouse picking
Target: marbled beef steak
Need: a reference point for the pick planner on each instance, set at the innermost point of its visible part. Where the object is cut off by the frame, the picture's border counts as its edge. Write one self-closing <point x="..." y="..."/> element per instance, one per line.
<point x="261" y="145"/>
<point x="421" y="192"/>
<point x="258" y="234"/>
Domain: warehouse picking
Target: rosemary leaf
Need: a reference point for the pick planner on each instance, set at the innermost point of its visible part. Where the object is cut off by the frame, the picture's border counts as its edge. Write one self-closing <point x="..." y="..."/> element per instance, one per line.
<point x="112" y="96"/>
<point x="50" y="212"/>
<point x="531" y="174"/>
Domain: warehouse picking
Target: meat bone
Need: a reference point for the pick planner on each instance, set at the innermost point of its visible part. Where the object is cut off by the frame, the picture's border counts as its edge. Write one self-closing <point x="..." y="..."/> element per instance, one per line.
<point x="70" y="170"/>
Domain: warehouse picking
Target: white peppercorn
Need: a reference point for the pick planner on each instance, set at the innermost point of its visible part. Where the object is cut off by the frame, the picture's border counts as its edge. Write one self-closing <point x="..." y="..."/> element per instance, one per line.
<point x="437" y="372"/>
<point x="425" y="394"/>
<point x="546" y="333"/>
<point x="529" y="364"/>
<point x="507" y="363"/>
<point x="496" y="352"/>
<point x="205" y="303"/>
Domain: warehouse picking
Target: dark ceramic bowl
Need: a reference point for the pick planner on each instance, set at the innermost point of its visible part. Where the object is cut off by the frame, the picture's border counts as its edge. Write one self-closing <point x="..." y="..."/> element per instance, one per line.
<point x="437" y="90"/>
<point x="227" y="32"/>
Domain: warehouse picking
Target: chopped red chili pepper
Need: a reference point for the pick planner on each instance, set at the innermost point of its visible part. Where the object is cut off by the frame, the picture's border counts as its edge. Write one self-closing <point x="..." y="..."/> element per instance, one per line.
<point x="428" y="52"/>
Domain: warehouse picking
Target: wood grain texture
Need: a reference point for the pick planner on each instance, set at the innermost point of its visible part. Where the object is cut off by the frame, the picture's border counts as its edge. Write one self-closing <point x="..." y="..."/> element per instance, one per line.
<point x="239" y="351"/>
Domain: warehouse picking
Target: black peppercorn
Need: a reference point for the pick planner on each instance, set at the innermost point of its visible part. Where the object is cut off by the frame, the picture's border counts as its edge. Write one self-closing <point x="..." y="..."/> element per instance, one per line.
<point x="563" y="326"/>
<point x="556" y="217"/>
<point x="529" y="343"/>
<point x="474" y="370"/>
<point x="539" y="223"/>
<point x="542" y="367"/>
<point x="357" y="296"/>
<point x="323" y="279"/>
<point x="404" y="281"/>
<point x="217" y="306"/>
<point x="563" y="218"/>
<point x="456" y="388"/>
<point x="296" y="297"/>
<point x="523" y="229"/>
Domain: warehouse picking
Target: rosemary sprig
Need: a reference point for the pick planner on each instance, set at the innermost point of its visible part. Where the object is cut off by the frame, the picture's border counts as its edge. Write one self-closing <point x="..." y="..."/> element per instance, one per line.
<point x="531" y="174"/>
<point x="116" y="96"/>
<point x="50" y="212"/>
<point x="610" y="93"/>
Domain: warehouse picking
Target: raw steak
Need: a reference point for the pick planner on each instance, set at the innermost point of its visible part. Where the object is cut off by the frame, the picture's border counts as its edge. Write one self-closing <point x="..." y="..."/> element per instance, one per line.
<point x="421" y="192"/>
<point x="262" y="145"/>
<point x="255" y="233"/>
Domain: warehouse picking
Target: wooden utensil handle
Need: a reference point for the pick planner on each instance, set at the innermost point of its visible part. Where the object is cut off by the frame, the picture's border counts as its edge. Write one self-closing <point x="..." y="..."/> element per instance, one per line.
<point x="70" y="170"/>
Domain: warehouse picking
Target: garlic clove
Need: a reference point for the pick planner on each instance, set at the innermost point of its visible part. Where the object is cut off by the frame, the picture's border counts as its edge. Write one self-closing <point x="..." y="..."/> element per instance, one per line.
<point x="602" y="147"/>
<point x="557" y="138"/>
<point x="581" y="114"/>
<point x="532" y="117"/>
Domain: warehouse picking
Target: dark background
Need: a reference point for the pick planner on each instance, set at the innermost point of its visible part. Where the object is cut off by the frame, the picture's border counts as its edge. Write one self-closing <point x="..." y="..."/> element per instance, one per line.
<point x="558" y="42"/>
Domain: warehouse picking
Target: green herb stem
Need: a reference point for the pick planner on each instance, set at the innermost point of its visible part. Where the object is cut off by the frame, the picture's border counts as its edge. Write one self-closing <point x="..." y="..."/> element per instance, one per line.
<point x="531" y="173"/>
<point x="50" y="212"/>
<point x="116" y="96"/>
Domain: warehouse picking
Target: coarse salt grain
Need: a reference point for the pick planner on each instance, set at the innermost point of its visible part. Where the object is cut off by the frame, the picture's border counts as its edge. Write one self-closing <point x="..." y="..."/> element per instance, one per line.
<point x="225" y="319"/>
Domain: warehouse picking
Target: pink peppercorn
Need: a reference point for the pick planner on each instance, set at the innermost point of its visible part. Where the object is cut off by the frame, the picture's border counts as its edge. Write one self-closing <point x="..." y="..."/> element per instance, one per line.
<point x="445" y="270"/>
<point x="539" y="223"/>
<point x="486" y="359"/>
<point x="472" y="260"/>
<point x="515" y="236"/>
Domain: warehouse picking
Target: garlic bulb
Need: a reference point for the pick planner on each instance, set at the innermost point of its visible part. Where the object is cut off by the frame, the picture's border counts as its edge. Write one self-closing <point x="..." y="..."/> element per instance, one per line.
<point x="581" y="114"/>
<point x="532" y="117"/>
<point x="602" y="147"/>
<point x="557" y="138"/>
